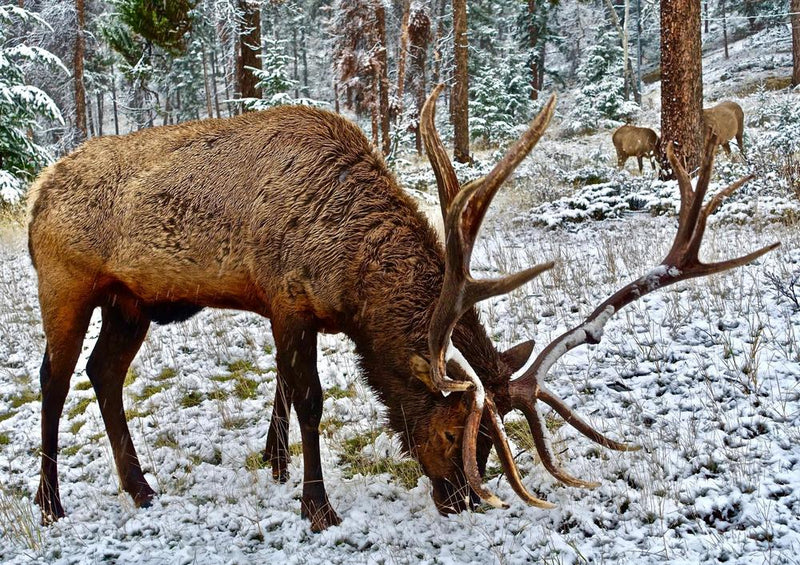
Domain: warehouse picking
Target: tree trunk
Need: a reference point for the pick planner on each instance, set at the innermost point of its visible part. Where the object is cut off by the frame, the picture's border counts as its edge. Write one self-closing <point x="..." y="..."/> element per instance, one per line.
<point x="795" y="9"/>
<point x="90" y="117"/>
<point x="114" y="101"/>
<point x="99" y="98"/>
<point x="419" y="35"/>
<point x="214" y="80"/>
<point x="705" y="15"/>
<point x="295" y="57"/>
<point x="437" y="42"/>
<point x="80" y="92"/>
<point x="460" y="100"/>
<point x="383" y="70"/>
<point x="533" y="38"/>
<point x="304" y="55"/>
<point x="401" y="57"/>
<point x="724" y="26"/>
<point x="209" y="109"/>
<point x="681" y="83"/>
<point x="249" y="50"/>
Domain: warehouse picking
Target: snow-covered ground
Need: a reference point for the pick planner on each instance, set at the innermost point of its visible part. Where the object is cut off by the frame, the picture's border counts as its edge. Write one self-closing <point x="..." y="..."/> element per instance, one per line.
<point x="705" y="376"/>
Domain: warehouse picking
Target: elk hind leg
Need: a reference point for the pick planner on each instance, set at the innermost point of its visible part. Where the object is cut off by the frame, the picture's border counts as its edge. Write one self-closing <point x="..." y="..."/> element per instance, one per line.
<point x="120" y="338"/>
<point x="277" y="450"/>
<point x="66" y="312"/>
<point x="296" y="344"/>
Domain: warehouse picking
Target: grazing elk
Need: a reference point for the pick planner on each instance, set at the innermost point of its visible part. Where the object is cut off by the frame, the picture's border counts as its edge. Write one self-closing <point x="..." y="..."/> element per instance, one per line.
<point x="726" y="120"/>
<point x="291" y="213"/>
<point x="632" y="141"/>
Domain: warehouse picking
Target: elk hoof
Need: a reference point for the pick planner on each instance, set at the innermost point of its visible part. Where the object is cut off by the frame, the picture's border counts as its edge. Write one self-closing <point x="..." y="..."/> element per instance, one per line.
<point x="143" y="496"/>
<point x="50" y="504"/>
<point x="280" y="473"/>
<point x="322" y="515"/>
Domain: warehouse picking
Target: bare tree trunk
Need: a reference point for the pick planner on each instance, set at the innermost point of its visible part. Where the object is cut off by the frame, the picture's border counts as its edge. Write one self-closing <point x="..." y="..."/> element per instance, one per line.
<point x="705" y="14"/>
<point x="681" y="83"/>
<point x="304" y="55"/>
<point x="249" y="50"/>
<point x="214" y="80"/>
<point x="401" y="57"/>
<point x="437" y="42"/>
<point x="114" y="101"/>
<point x="80" y="92"/>
<point x="336" y="95"/>
<point x="209" y="109"/>
<point x="383" y="69"/>
<point x="419" y="35"/>
<point x="460" y="100"/>
<point x="295" y="73"/>
<point x="99" y="97"/>
<point x="795" y="9"/>
<point x="622" y="30"/>
<point x="90" y="117"/>
<point x="533" y="38"/>
<point x="724" y="26"/>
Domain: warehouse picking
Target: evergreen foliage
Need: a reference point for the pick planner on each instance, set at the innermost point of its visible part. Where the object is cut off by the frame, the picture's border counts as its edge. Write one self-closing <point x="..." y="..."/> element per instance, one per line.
<point x="21" y="104"/>
<point x="602" y="96"/>
<point x="500" y="103"/>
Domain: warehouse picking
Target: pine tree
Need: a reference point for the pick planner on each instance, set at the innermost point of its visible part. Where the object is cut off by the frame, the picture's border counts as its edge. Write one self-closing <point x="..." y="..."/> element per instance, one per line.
<point x="20" y="106"/>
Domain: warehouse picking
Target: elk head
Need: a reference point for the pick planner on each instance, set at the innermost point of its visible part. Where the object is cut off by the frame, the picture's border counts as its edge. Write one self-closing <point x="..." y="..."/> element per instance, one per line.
<point x="483" y="402"/>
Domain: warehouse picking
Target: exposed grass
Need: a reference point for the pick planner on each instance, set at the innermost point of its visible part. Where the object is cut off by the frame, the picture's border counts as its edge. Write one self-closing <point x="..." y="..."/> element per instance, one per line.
<point x="19" y="520"/>
<point x="192" y="398"/>
<point x="25" y="397"/>
<point x="79" y="408"/>
<point x="339" y="392"/>
<point x="151" y="390"/>
<point x="405" y="471"/>
<point x="7" y="415"/>
<point x="76" y="426"/>
<point x="4" y="439"/>
<point x="83" y="385"/>
<point x="130" y="377"/>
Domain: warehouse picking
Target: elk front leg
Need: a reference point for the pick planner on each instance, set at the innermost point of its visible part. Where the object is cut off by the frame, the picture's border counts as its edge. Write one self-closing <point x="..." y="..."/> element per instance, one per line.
<point x="296" y="343"/>
<point x="277" y="450"/>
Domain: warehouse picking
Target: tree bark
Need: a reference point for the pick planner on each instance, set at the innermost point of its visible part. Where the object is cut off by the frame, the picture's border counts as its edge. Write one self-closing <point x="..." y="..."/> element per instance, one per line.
<point x="214" y="80"/>
<point x="419" y="35"/>
<point x="99" y="98"/>
<point x="383" y="69"/>
<point x="724" y="26"/>
<point x="533" y="38"/>
<point x="795" y="9"/>
<point x="681" y="83"/>
<point x="460" y="99"/>
<point x="249" y="50"/>
<point x="209" y="109"/>
<point x="80" y="91"/>
<point x="401" y="57"/>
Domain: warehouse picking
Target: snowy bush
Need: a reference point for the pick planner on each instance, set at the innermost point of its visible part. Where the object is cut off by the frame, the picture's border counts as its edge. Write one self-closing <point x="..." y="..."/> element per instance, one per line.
<point x="21" y="105"/>
<point x="778" y="147"/>
<point x="601" y="99"/>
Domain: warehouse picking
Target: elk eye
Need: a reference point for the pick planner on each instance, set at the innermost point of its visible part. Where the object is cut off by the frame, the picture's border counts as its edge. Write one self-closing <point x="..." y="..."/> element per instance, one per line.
<point x="450" y="437"/>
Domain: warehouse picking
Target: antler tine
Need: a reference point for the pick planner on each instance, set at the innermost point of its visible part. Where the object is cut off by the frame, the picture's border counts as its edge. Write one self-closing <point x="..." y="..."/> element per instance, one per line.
<point x="446" y="180"/>
<point x="681" y="263"/>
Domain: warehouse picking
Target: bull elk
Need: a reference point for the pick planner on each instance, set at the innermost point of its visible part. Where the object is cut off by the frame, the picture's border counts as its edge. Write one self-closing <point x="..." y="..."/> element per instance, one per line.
<point x="632" y="141"/>
<point x="292" y="214"/>
<point x="726" y="120"/>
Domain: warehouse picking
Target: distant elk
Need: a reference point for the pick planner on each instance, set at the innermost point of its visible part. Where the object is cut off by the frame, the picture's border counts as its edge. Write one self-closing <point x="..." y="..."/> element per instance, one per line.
<point x="726" y="120"/>
<point x="632" y="141"/>
<point x="292" y="214"/>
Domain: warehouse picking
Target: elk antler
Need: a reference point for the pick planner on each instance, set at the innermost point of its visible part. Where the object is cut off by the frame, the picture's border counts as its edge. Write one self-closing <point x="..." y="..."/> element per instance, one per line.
<point x="463" y="210"/>
<point x="681" y="263"/>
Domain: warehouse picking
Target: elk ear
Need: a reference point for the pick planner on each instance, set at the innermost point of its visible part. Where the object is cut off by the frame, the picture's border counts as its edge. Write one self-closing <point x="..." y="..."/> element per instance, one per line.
<point x="421" y="369"/>
<point x="518" y="355"/>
